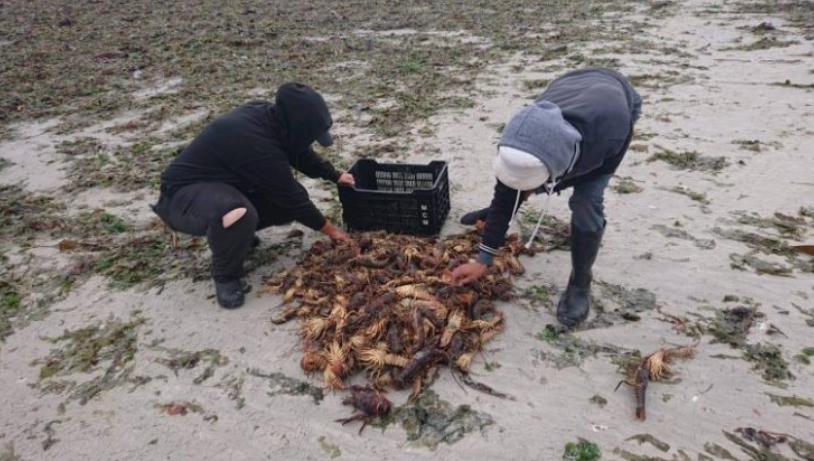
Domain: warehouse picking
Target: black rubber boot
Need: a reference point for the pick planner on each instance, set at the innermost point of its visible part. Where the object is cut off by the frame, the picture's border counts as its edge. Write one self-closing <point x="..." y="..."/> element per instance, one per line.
<point x="575" y="303"/>
<point x="230" y="293"/>
<point x="471" y="218"/>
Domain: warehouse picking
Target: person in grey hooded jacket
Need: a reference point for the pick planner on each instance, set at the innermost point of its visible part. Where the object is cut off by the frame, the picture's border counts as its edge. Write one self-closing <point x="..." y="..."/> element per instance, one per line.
<point x="574" y="135"/>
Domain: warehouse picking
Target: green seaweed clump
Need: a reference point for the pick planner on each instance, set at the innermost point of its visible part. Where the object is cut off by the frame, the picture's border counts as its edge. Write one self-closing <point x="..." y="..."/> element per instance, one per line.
<point x="802" y="449"/>
<point x="809" y="315"/>
<point x="10" y="301"/>
<point x="648" y="438"/>
<point x="599" y="400"/>
<point x="693" y="195"/>
<point x="542" y="295"/>
<point x="769" y="246"/>
<point x="80" y="146"/>
<point x="689" y="160"/>
<point x="673" y="232"/>
<point x="741" y="262"/>
<point x="731" y="326"/>
<point x="626" y="186"/>
<point x="280" y="384"/>
<point x="430" y="421"/>
<point x="134" y="261"/>
<point x="768" y="359"/>
<point x="555" y="233"/>
<point x="752" y="145"/>
<point x="125" y="169"/>
<point x="89" y="347"/>
<point x="572" y="350"/>
<point x="234" y="388"/>
<point x="718" y="451"/>
<point x="794" y="401"/>
<point x="581" y="451"/>
<point x="761" y="243"/>
<point x="629" y="304"/>
<point x="787" y="226"/>
<point x="111" y="347"/>
<point x="186" y="360"/>
<point x="22" y="214"/>
<point x="765" y="43"/>
<point x="761" y="450"/>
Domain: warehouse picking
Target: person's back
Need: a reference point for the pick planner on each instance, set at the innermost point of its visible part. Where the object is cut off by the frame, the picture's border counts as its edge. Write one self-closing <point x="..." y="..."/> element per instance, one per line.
<point x="223" y="148"/>
<point x="601" y="104"/>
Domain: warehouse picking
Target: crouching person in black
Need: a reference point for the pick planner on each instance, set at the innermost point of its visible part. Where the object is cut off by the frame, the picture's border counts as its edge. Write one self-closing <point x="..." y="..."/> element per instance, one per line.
<point x="236" y="177"/>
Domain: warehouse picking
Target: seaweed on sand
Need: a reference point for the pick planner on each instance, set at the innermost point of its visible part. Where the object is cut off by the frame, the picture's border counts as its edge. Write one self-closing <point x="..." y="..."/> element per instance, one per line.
<point x="731" y="325"/>
<point x="689" y="160"/>
<point x="619" y="304"/>
<point x="111" y="347"/>
<point x="430" y="421"/>
<point x="10" y="305"/>
<point x="583" y="450"/>
<point x="280" y="384"/>
<point x="768" y="360"/>
<point x="276" y="42"/>
<point x="23" y="214"/>
<point x="626" y="186"/>
<point x="572" y="351"/>
<point x="187" y="360"/>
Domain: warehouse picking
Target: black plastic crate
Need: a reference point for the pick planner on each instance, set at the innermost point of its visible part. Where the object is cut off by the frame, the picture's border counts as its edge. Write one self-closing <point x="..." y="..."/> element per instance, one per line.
<point x="409" y="199"/>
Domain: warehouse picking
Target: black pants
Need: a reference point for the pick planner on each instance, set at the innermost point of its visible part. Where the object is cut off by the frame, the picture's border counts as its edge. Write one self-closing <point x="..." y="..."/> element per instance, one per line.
<point x="198" y="210"/>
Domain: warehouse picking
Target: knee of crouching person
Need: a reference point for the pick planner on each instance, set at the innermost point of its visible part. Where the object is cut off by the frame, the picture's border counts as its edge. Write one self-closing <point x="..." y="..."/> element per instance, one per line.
<point x="241" y="216"/>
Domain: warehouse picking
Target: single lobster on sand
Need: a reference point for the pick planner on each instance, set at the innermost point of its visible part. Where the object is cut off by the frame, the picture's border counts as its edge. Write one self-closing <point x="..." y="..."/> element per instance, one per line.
<point x="653" y="368"/>
<point x="370" y="404"/>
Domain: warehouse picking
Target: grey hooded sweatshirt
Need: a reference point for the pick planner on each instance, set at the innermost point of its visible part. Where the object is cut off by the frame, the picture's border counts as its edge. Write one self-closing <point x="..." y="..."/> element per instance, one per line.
<point x="600" y="104"/>
<point x="580" y="128"/>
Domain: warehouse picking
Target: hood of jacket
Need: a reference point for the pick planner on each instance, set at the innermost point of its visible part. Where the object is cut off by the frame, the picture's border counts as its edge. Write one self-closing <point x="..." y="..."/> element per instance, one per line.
<point x="302" y="114"/>
<point x="540" y="130"/>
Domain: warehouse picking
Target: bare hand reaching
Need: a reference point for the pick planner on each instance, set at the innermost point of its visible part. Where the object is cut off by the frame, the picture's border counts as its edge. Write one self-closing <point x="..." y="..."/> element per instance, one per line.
<point x="346" y="179"/>
<point x="468" y="273"/>
<point x="334" y="232"/>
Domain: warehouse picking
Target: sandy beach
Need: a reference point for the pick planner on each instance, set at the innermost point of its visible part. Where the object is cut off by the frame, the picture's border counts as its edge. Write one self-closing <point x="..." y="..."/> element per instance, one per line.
<point x="715" y="191"/>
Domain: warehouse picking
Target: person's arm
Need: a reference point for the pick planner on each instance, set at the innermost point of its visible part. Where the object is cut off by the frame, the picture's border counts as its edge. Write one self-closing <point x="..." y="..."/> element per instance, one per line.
<point x="494" y="233"/>
<point x="314" y="166"/>
<point x="272" y="176"/>
<point x="497" y="221"/>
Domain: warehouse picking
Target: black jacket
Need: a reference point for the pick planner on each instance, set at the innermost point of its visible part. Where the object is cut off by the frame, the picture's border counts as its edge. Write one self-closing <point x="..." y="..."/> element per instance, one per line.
<point x="254" y="147"/>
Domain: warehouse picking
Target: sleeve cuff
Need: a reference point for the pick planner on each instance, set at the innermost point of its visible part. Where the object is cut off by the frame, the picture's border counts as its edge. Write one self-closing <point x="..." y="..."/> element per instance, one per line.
<point x="333" y="176"/>
<point x="317" y="225"/>
<point x="486" y="258"/>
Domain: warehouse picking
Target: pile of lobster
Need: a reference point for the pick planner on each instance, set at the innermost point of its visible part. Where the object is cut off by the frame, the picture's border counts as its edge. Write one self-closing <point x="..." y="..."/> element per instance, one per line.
<point x="383" y="304"/>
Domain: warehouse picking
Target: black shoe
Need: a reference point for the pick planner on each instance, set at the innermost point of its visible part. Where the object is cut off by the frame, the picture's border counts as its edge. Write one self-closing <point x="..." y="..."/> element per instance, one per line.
<point x="471" y="218"/>
<point x="230" y="294"/>
<point x="255" y="241"/>
<point x="575" y="303"/>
